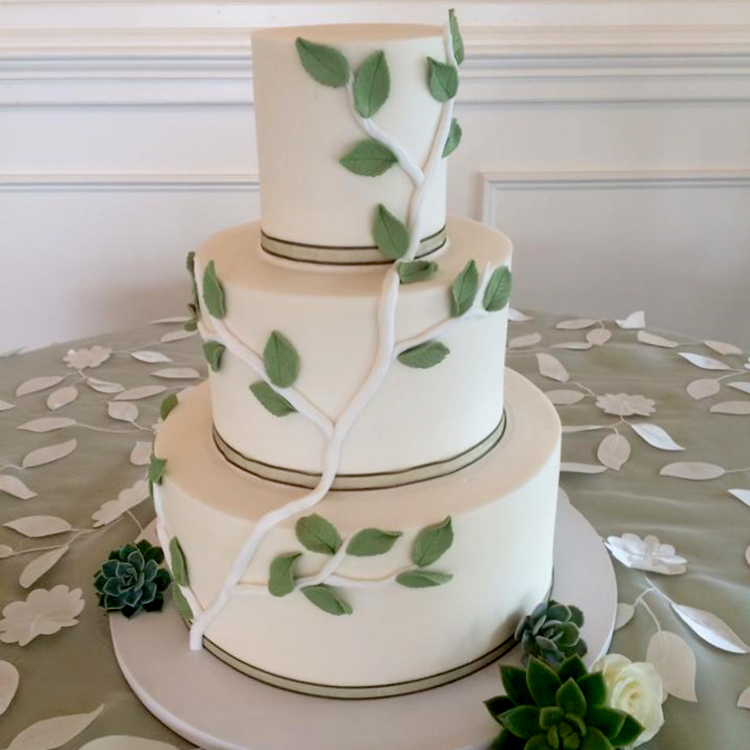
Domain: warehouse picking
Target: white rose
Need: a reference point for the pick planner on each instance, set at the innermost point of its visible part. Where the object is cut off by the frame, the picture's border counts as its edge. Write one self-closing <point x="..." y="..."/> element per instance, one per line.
<point x="636" y="689"/>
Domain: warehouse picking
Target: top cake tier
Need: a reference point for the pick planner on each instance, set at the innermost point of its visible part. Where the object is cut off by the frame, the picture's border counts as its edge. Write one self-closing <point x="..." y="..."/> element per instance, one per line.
<point x="313" y="206"/>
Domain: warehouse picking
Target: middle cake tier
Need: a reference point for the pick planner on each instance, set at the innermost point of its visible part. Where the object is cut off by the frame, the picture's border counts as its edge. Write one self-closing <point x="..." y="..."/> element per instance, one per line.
<point x="422" y="422"/>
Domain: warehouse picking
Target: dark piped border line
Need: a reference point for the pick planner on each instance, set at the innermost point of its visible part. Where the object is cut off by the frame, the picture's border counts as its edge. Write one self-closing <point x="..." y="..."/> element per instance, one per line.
<point x="219" y="442"/>
<point x="342" y="247"/>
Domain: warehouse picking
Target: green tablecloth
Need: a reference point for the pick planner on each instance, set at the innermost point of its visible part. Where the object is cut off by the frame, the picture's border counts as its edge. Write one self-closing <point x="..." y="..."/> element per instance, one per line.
<point x="102" y="428"/>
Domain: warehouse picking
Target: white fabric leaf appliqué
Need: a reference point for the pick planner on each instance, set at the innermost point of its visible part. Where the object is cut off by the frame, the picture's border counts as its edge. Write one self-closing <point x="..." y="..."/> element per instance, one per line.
<point x="574" y="346"/>
<point x="744" y="700"/>
<point x="49" y="734"/>
<point x="170" y="320"/>
<point x="703" y="388"/>
<point x="516" y="316"/>
<point x="552" y="368"/>
<point x="39" y="526"/>
<point x="599" y="336"/>
<point x="9" y="679"/>
<point x="623" y="615"/>
<point x="579" y="468"/>
<point x="646" y="554"/>
<point x="705" y="363"/>
<point x="141" y="453"/>
<point x="43" y="612"/>
<point x="736" y="408"/>
<point x="48" y="454"/>
<point x="565" y="397"/>
<point x="694" y="470"/>
<point x="124" y="411"/>
<point x="742" y="495"/>
<point x="62" y="397"/>
<point x="104" y="386"/>
<point x="740" y="385"/>
<point x="35" y="569"/>
<point x="711" y="628"/>
<point x="142" y="391"/>
<point x="571" y="428"/>
<point x="179" y="373"/>
<point x="656" y="436"/>
<point x="47" y="424"/>
<point x="674" y="660"/>
<point x="168" y="338"/>
<point x="127" y="499"/>
<point x="653" y="339"/>
<point x="576" y="325"/>
<point x="6" y="405"/>
<point x="519" y="342"/>
<point x="15" y="487"/>
<point x="149" y="356"/>
<point x="126" y="742"/>
<point x="721" y="347"/>
<point x="78" y="359"/>
<point x="5" y="551"/>
<point x="38" y="384"/>
<point x="634" y="320"/>
<point x="613" y="451"/>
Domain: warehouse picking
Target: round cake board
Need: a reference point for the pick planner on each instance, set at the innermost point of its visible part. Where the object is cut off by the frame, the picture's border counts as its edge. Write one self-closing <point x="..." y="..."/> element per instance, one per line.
<point x="217" y="708"/>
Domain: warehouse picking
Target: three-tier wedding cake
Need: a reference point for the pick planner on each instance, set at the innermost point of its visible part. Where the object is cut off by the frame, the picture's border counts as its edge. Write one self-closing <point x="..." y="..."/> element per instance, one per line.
<point x="361" y="500"/>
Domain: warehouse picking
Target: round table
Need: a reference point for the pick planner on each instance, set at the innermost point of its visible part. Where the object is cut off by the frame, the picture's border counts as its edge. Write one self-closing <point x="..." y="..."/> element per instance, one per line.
<point x="656" y="452"/>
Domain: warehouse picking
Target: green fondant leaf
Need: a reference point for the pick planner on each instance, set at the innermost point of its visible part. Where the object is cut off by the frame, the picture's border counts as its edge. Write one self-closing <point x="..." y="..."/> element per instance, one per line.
<point x="629" y="732"/>
<point x="179" y="566"/>
<point x="570" y="698"/>
<point x="432" y="542"/>
<point x="425" y="355"/>
<point x="325" y="64"/>
<point x="542" y="682"/>
<point x="281" y="360"/>
<point x="454" y="138"/>
<point x="608" y="720"/>
<point x="370" y="542"/>
<point x="464" y="289"/>
<point x="442" y="80"/>
<point x="213" y="352"/>
<point x="423" y="579"/>
<point x="213" y="292"/>
<point x="169" y="403"/>
<point x="523" y="721"/>
<point x="497" y="293"/>
<point x="594" y="689"/>
<point x="327" y="598"/>
<point x="390" y="234"/>
<point x="416" y="270"/>
<point x="372" y="84"/>
<point x="458" y="42"/>
<point x="272" y="401"/>
<point x="318" y="535"/>
<point x="156" y="469"/>
<point x="182" y="606"/>
<point x="573" y="667"/>
<point x="369" y="158"/>
<point x="498" y="705"/>
<point x="192" y="324"/>
<point x="514" y="682"/>
<point x="281" y="576"/>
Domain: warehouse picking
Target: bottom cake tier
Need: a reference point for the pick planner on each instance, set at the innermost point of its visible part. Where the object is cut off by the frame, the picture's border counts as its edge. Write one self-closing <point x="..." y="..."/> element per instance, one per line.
<point x="389" y="621"/>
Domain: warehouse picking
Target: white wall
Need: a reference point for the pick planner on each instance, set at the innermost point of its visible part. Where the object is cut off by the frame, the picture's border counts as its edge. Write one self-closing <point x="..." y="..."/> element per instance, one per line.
<point x="610" y="139"/>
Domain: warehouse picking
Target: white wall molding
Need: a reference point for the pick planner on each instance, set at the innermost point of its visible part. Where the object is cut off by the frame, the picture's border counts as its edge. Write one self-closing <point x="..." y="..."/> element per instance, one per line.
<point x="494" y="183"/>
<point x="535" y="64"/>
<point x="136" y="181"/>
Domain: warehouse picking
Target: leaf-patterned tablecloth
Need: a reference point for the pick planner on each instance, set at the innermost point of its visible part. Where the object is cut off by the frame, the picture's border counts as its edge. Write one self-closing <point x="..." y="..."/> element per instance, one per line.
<point x="656" y="455"/>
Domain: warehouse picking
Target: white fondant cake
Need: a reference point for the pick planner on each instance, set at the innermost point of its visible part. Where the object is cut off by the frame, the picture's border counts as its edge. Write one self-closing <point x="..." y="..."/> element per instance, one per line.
<point x="361" y="502"/>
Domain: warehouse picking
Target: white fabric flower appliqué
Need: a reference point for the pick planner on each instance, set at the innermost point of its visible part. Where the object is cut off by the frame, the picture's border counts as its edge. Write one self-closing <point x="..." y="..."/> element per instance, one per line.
<point x="625" y="405"/>
<point x="43" y="613"/>
<point x="77" y="359"/>
<point x="646" y="554"/>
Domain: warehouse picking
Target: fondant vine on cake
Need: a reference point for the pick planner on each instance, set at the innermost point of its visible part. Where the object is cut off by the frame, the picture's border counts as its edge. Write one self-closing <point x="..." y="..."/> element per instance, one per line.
<point x="366" y="90"/>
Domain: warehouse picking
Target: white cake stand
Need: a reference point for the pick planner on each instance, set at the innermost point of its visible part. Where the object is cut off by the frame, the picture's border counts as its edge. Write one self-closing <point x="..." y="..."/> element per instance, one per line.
<point x="217" y="708"/>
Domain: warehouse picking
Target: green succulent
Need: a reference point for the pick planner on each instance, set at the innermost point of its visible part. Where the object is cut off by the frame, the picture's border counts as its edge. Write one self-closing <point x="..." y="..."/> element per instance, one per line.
<point x="563" y="709"/>
<point x="131" y="580"/>
<point x="552" y="633"/>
